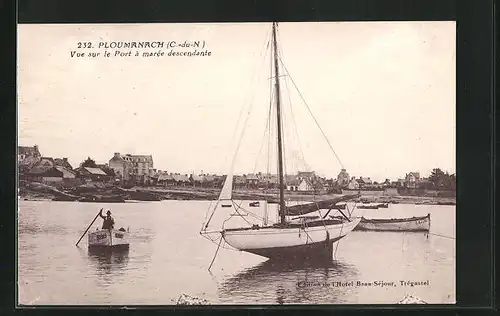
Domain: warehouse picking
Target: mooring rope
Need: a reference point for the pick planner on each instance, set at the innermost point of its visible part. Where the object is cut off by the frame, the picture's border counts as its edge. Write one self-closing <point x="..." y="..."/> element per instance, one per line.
<point x="434" y="234"/>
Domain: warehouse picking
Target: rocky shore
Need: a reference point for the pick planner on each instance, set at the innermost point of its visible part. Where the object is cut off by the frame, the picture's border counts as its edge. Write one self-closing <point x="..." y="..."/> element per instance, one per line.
<point x="113" y="194"/>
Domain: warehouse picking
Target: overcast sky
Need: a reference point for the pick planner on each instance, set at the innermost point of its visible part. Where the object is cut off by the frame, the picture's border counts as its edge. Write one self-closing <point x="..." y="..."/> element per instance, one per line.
<point x="383" y="93"/>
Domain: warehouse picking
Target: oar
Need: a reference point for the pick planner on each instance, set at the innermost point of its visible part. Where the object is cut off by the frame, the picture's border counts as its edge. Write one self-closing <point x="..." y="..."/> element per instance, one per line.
<point x="89" y="226"/>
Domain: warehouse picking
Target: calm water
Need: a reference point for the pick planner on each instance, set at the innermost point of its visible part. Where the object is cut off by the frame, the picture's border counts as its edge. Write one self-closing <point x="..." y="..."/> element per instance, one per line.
<point x="168" y="257"/>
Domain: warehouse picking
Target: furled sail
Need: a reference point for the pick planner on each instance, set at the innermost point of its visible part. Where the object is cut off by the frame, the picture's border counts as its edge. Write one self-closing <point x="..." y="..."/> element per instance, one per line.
<point x="301" y="209"/>
<point x="227" y="189"/>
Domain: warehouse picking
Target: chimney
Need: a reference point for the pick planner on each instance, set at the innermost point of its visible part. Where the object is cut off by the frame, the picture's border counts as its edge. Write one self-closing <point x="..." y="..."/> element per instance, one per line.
<point x="65" y="159"/>
<point x="117" y="155"/>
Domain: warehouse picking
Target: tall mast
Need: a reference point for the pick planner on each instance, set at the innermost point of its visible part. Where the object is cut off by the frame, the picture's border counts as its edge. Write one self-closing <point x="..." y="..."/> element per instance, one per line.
<point x="282" y="208"/>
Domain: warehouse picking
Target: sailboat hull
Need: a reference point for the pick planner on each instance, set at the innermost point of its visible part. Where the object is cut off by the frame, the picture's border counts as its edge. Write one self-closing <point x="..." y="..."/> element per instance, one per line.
<point x="290" y="243"/>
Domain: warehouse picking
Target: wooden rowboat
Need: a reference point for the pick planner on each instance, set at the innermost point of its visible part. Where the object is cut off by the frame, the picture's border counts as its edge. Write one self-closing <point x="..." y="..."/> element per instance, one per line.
<point x="412" y="224"/>
<point x="109" y="239"/>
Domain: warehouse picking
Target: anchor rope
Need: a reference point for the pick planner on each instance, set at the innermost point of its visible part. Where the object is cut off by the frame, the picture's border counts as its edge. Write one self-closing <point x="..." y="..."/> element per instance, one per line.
<point x="338" y="242"/>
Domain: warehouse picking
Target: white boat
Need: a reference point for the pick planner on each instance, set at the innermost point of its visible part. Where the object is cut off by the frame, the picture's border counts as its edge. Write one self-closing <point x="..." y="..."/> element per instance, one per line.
<point x="298" y="238"/>
<point x="412" y="224"/>
<point x="108" y="239"/>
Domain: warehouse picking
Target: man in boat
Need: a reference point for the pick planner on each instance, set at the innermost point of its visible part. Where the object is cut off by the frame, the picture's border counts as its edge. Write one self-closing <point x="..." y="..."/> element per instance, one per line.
<point x="108" y="222"/>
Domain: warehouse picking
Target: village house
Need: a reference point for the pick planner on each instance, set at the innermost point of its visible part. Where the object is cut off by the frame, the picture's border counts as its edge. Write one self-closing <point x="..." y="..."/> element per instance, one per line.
<point x="121" y="167"/>
<point x="353" y="184"/>
<point x="196" y="180"/>
<point x="105" y="167"/>
<point x="50" y="174"/>
<point x="343" y="179"/>
<point x="165" y="179"/>
<point x="239" y="182"/>
<point x="45" y="162"/>
<point x="364" y="182"/>
<point x="180" y="179"/>
<point x="213" y="181"/>
<point x="308" y="185"/>
<point x="26" y="152"/>
<point x="310" y="175"/>
<point x="137" y="168"/>
<point x="142" y="167"/>
<point x="252" y="180"/>
<point x="292" y="183"/>
<point x="63" y="162"/>
<point x="92" y="174"/>
<point x="412" y="179"/>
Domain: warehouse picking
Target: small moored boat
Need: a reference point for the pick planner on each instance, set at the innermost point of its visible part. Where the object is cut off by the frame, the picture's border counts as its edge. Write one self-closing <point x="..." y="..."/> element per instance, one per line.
<point x="412" y="224"/>
<point x="368" y="206"/>
<point x="254" y="204"/>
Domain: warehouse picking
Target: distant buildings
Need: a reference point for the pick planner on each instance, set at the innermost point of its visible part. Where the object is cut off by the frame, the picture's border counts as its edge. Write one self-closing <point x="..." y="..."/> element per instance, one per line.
<point x="412" y="179"/>
<point x="92" y="174"/>
<point x="353" y="184"/>
<point x="133" y="168"/>
<point x="24" y="152"/>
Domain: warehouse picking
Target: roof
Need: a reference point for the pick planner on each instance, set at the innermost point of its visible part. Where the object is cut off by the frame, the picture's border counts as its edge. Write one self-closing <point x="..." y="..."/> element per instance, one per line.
<point x="62" y="162"/>
<point x="28" y="150"/>
<point x="40" y="169"/>
<point x="66" y="172"/>
<point x="252" y="177"/>
<point x="180" y="177"/>
<point x="209" y="178"/>
<point x="239" y="179"/>
<point x="29" y="161"/>
<point x="364" y="180"/>
<point x="307" y="182"/>
<point x="95" y="171"/>
<point x="165" y="177"/>
<point x="137" y="158"/>
<point x="306" y="173"/>
<point x="196" y="178"/>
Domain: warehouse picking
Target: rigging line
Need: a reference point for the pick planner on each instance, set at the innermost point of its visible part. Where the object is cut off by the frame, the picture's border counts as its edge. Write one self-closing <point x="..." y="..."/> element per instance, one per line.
<point x="211" y="215"/>
<point x="236" y="210"/>
<point x="294" y="122"/>
<point x="267" y="43"/>
<point x="310" y="112"/>
<point x="281" y="53"/>
<point x="215" y="255"/>
<point x="263" y="141"/>
<point x="243" y="130"/>
<point x="338" y="242"/>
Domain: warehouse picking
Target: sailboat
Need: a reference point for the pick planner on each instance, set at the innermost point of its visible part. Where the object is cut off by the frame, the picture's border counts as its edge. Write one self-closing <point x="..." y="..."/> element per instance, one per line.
<point x="297" y="235"/>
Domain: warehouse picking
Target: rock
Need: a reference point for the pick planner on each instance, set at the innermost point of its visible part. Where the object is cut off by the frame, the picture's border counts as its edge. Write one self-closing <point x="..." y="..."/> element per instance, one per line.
<point x="185" y="299"/>
<point x="410" y="299"/>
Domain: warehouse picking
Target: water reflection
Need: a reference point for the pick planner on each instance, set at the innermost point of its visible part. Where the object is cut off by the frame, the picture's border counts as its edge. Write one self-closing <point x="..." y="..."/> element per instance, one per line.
<point x="108" y="262"/>
<point x="278" y="283"/>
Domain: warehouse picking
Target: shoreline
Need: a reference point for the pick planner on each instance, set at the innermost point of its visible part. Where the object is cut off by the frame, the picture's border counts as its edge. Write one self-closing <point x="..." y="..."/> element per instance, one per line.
<point x="113" y="194"/>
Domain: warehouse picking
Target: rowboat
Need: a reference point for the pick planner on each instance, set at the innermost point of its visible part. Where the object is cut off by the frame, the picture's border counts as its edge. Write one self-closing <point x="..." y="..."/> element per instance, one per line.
<point x="412" y="224"/>
<point x="108" y="239"/>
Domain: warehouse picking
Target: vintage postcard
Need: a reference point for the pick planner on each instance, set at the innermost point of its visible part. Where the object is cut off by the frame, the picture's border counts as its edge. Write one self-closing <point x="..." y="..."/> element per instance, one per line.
<point x="236" y="163"/>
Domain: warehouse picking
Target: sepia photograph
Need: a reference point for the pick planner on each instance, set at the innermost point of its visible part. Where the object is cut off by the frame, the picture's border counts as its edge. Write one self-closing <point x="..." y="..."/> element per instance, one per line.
<point x="236" y="163"/>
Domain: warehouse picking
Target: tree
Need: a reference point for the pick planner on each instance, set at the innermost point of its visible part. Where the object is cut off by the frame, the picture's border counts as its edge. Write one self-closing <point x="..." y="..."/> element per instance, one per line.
<point x="442" y="180"/>
<point x="89" y="162"/>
